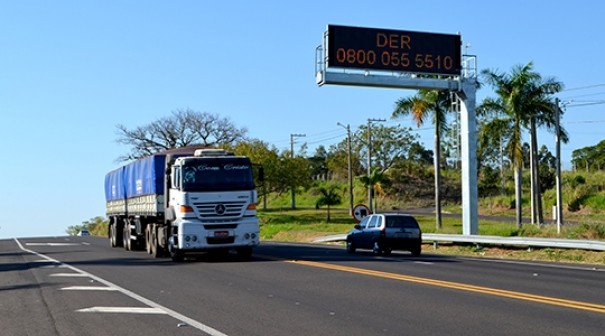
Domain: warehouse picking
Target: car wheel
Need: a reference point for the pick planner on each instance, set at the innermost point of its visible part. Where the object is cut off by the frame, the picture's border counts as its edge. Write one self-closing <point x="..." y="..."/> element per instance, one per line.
<point x="387" y="251"/>
<point x="350" y="247"/>
<point x="376" y="249"/>
<point x="416" y="251"/>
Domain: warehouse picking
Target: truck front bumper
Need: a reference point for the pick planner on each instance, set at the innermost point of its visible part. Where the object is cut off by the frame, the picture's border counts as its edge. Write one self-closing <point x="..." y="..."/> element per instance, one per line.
<point x="195" y="236"/>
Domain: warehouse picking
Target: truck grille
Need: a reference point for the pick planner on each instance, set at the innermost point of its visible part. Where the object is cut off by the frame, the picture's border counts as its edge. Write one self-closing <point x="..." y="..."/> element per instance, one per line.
<point x="220" y="209"/>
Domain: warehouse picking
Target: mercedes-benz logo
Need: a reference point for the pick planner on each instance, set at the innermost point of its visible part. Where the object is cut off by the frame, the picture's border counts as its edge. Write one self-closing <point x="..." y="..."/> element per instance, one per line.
<point x="220" y="209"/>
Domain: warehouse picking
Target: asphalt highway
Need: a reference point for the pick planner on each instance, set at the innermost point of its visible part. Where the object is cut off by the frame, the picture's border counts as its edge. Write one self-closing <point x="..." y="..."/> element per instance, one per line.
<point x="82" y="286"/>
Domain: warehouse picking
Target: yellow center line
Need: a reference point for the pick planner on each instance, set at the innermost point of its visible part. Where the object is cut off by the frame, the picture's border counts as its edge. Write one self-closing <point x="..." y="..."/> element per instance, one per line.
<point x="593" y="307"/>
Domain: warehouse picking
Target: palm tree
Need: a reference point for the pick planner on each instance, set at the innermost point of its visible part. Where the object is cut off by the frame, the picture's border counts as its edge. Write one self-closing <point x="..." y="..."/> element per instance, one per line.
<point x="523" y="99"/>
<point x="435" y="105"/>
<point x="541" y="113"/>
<point x="373" y="182"/>
<point x="328" y="196"/>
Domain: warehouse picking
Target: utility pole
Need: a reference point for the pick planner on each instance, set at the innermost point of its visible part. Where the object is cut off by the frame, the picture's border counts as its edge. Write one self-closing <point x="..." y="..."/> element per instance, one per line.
<point x="558" y="165"/>
<point x="370" y="186"/>
<point x="350" y="166"/>
<point x="293" y="187"/>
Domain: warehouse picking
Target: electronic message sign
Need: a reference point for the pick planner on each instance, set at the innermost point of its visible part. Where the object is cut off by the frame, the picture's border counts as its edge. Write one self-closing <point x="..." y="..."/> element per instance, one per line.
<point x="393" y="50"/>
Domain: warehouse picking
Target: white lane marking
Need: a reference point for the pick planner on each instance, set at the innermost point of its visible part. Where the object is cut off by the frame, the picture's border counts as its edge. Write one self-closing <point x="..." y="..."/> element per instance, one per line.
<point x="69" y="275"/>
<point x="575" y="268"/>
<point x="52" y="244"/>
<point x="130" y="310"/>
<point x="53" y="266"/>
<point x="189" y="321"/>
<point x="424" y="262"/>
<point x="85" y="243"/>
<point x="90" y="288"/>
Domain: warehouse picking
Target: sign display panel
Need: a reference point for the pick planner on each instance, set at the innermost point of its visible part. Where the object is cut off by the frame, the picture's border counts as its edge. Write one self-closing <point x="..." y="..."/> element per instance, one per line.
<point x="394" y="50"/>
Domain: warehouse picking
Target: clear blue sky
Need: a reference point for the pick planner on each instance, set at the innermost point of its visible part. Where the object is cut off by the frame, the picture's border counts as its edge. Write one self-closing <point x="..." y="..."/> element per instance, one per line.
<point x="70" y="71"/>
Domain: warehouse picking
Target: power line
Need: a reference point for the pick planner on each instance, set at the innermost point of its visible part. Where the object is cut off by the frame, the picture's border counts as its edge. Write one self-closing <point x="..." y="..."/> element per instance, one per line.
<point x="586" y="122"/>
<point x="588" y="103"/>
<point x="584" y="87"/>
<point x="584" y="95"/>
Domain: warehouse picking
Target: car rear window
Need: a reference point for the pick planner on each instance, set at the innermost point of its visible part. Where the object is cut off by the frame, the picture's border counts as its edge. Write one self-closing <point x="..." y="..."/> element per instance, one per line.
<point x="401" y="222"/>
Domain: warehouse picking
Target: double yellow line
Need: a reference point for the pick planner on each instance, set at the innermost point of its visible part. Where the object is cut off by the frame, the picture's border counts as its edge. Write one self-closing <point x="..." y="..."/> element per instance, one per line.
<point x="593" y="307"/>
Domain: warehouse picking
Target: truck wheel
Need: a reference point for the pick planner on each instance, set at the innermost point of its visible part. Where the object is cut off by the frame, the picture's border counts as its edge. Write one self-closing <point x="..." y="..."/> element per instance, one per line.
<point x="148" y="239"/>
<point x="112" y="236"/>
<point x="156" y="250"/>
<point x="244" y="253"/>
<point x="126" y="238"/>
<point x="176" y="255"/>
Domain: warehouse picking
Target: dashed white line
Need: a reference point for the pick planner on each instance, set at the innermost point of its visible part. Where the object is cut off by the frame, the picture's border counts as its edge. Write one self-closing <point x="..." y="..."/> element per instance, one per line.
<point x="131" y="310"/>
<point x="527" y="263"/>
<point x="52" y="244"/>
<point x="424" y="262"/>
<point x="90" y="288"/>
<point x="69" y="275"/>
<point x="153" y="305"/>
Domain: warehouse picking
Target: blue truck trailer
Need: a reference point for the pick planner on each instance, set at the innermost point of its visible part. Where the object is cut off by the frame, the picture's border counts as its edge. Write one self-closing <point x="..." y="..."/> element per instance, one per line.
<point x="183" y="202"/>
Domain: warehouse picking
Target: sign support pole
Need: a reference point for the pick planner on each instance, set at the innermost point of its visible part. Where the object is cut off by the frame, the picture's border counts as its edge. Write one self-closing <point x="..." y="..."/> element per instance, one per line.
<point x="468" y="135"/>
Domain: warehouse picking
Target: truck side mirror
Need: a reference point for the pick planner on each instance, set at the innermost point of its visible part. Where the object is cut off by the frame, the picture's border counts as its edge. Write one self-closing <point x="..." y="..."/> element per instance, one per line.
<point x="261" y="174"/>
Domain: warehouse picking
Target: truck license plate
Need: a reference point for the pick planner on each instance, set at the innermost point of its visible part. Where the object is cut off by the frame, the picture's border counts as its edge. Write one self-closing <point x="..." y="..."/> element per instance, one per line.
<point x="221" y="234"/>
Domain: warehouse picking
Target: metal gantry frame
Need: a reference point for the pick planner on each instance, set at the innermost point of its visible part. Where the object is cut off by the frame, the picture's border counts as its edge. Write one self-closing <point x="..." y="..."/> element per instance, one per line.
<point x="465" y="88"/>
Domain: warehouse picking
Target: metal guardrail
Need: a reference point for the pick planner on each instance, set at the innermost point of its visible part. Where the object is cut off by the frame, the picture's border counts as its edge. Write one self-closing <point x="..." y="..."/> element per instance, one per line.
<point x="590" y="245"/>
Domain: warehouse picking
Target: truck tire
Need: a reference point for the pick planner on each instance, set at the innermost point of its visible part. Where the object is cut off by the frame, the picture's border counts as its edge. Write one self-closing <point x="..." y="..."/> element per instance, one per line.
<point x="126" y="238"/>
<point x="112" y="236"/>
<point x="148" y="241"/>
<point x="244" y="253"/>
<point x="177" y="255"/>
<point x="156" y="250"/>
<point x="115" y="236"/>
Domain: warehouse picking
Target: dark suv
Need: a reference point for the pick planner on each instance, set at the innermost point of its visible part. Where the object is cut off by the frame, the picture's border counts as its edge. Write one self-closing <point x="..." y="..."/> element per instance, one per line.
<point x="383" y="233"/>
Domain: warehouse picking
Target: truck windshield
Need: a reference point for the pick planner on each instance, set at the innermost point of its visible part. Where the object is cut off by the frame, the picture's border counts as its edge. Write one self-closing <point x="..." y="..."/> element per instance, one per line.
<point x="217" y="174"/>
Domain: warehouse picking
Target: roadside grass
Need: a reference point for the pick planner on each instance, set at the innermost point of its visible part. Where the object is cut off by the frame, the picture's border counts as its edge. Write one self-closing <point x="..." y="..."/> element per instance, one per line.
<point x="307" y="224"/>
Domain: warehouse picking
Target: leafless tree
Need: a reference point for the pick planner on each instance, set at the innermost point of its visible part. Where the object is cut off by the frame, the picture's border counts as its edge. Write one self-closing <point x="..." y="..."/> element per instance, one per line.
<point x="183" y="128"/>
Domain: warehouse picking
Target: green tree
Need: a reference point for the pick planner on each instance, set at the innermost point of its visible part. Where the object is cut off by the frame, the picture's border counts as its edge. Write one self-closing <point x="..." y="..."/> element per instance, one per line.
<point x="589" y="157"/>
<point x="318" y="163"/>
<point x="389" y="144"/>
<point x="337" y="161"/>
<point x="494" y="132"/>
<point x="424" y="105"/>
<point x="265" y="156"/>
<point x="97" y="226"/>
<point x="329" y="196"/>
